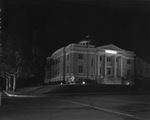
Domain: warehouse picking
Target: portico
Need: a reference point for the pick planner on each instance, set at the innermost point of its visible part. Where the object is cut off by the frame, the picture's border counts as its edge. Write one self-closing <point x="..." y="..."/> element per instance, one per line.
<point x="110" y="65"/>
<point x="111" y="62"/>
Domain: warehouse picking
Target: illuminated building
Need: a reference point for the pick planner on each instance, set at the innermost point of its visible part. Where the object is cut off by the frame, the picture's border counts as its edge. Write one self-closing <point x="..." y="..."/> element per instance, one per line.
<point x="105" y="64"/>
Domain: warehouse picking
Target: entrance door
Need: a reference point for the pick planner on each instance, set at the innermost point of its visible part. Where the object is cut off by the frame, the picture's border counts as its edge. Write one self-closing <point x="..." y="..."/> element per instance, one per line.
<point x="109" y="72"/>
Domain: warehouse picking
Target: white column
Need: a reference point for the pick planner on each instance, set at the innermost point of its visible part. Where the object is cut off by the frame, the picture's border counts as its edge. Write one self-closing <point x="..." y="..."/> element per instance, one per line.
<point x="114" y="66"/>
<point x="105" y="65"/>
<point x="98" y="65"/>
<point x="95" y="65"/>
<point x="121" y="66"/>
<point x="7" y="84"/>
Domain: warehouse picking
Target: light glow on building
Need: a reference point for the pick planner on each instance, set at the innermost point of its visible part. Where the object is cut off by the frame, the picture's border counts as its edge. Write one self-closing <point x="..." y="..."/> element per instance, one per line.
<point x="111" y="51"/>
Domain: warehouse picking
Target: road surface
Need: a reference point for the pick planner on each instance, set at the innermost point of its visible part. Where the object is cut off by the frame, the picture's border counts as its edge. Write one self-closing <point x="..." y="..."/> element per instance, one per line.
<point x="76" y="107"/>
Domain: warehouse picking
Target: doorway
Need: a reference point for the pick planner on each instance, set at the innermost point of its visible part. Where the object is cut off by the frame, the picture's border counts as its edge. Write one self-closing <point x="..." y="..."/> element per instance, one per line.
<point x="109" y="72"/>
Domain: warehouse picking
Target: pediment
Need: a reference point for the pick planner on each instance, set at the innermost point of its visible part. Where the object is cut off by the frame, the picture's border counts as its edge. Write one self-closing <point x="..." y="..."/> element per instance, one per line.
<point x="110" y="47"/>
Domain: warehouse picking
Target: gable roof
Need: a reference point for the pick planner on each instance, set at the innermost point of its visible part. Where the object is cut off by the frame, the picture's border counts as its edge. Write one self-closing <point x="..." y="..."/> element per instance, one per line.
<point x="110" y="46"/>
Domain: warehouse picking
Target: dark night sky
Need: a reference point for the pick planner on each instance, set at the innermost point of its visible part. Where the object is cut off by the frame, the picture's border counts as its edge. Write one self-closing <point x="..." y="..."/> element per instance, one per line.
<point x="61" y="22"/>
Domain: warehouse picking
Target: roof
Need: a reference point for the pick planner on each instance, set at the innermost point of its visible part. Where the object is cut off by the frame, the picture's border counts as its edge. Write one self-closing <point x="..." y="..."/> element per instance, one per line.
<point x="111" y="46"/>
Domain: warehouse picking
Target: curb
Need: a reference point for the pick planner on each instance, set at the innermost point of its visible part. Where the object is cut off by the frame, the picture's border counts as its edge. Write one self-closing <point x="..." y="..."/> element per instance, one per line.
<point x="15" y="94"/>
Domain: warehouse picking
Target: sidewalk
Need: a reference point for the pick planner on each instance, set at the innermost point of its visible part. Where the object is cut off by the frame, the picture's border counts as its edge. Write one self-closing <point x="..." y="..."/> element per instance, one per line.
<point x="19" y="94"/>
<point x="28" y="89"/>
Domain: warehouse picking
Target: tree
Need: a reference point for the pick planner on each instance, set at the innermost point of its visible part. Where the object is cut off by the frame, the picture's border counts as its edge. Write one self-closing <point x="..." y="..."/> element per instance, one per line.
<point x="10" y="67"/>
<point x="20" y="62"/>
<point x="14" y="65"/>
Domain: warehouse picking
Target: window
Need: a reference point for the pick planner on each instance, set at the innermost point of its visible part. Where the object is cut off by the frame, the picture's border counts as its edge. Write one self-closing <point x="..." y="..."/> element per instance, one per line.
<point x="58" y="60"/>
<point x="138" y="62"/>
<point x="128" y="72"/>
<point x="135" y="71"/>
<point x="55" y="72"/>
<point x="147" y="70"/>
<point x="80" y="69"/>
<point x="67" y="57"/>
<point x="80" y="80"/>
<point x="108" y="71"/>
<point x="128" y="62"/>
<point x="117" y="60"/>
<point x="58" y="71"/>
<point x="100" y="70"/>
<point x="108" y="59"/>
<point x="92" y="63"/>
<point x="52" y="72"/>
<point x="141" y="71"/>
<point x="67" y="69"/>
<point x="100" y="58"/>
<point x="80" y="56"/>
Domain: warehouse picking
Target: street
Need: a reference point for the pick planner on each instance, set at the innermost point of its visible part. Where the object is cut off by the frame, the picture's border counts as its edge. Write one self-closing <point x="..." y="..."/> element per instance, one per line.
<point x="76" y="107"/>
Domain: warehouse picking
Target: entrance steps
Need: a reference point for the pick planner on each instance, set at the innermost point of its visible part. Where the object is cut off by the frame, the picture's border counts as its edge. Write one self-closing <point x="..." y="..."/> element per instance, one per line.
<point x="112" y="81"/>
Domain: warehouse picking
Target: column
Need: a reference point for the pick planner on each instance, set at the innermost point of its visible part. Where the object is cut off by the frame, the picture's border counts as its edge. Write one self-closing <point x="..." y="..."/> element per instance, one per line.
<point x="64" y="65"/>
<point x="96" y="61"/>
<point x="114" y="64"/>
<point x="105" y="66"/>
<point x="98" y="65"/>
<point x="121" y="66"/>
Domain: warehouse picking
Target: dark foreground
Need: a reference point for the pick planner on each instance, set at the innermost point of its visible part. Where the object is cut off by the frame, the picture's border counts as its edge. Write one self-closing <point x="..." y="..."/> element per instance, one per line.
<point x="77" y="107"/>
<point x="89" y="88"/>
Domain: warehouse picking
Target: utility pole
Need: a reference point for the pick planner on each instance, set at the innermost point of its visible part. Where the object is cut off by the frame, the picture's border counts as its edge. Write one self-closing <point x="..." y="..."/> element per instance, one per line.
<point x="1" y="40"/>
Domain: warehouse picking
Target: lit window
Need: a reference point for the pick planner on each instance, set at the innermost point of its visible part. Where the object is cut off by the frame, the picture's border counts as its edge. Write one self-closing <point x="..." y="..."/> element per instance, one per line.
<point x="80" y="69"/>
<point x="80" y="56"/>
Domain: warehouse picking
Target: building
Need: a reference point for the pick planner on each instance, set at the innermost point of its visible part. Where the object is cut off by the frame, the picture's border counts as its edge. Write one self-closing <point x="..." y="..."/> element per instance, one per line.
<point x="142" y="68"/>
<point x="76" y="62"/>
